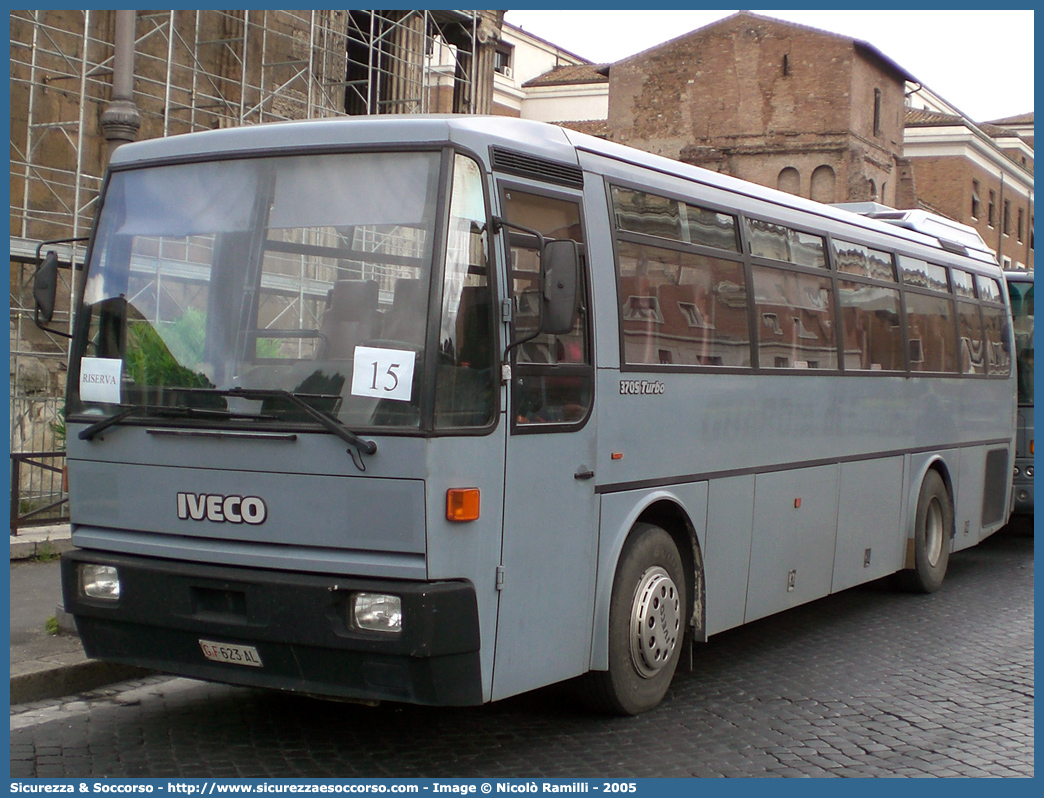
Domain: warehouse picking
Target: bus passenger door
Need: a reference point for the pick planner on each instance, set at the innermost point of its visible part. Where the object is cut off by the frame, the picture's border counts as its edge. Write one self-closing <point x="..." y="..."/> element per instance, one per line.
<point x="550" y="509"/>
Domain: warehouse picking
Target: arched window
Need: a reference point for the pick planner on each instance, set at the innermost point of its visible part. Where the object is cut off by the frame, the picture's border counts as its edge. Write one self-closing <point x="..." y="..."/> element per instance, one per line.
<point x="872" y="190"/>
<point x="823" y="180"/>
<point x="789" y="180"/>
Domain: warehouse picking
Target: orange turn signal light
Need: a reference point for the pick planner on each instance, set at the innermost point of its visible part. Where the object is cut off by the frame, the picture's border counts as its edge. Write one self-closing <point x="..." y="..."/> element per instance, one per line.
<point x="462" y="504"/>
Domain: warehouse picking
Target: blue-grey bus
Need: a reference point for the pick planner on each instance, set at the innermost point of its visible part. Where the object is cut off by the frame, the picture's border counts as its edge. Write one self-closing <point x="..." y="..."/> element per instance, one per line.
<point x="1020" y="294"/>
<point x="445" y="409"/>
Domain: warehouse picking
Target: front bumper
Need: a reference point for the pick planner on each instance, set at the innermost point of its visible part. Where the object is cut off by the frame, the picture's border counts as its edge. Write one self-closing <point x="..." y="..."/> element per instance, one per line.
<point x="298" y="623"/>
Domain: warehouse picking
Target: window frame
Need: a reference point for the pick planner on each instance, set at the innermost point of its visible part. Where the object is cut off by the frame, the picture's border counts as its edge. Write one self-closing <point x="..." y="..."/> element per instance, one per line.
<point x="854" y="236"/>
<point x="618" y="235"/>
<point x="503" y="183"/>
<point x="895" y="284"/>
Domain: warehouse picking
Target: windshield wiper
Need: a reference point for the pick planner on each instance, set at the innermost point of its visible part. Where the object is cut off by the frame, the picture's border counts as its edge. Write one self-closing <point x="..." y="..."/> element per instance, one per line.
<point x="101" y="425"/>
<point x="328" y="422"/>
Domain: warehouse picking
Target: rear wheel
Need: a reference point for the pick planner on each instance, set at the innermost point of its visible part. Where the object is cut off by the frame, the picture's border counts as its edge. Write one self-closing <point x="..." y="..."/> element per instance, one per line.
<point x="932" y="534"/>
<point x="647" y="614"/>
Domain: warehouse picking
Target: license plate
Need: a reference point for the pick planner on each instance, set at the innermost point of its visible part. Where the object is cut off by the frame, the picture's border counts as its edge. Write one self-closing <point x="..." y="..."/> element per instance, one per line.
<point x="231" y="653"/>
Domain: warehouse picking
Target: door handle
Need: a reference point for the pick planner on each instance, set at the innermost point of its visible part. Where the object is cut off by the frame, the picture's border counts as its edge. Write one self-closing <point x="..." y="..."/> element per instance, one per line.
<point x="583" y="473"/>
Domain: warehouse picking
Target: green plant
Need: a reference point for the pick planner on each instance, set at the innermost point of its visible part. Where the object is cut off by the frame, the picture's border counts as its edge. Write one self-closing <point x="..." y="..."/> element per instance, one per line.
<point x="45" y="552"/>
<point x="51" y="625"/>
<point x="58" y="428"/>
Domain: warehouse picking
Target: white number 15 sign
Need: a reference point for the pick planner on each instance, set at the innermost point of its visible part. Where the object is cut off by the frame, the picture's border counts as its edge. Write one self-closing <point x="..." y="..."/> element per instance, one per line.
<point x="383" y="373"/>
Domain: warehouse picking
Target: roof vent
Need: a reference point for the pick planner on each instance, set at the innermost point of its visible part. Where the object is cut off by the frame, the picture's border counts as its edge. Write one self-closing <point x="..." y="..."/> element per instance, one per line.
<point x="518" y="163"/>
<point x="952" y="236"/>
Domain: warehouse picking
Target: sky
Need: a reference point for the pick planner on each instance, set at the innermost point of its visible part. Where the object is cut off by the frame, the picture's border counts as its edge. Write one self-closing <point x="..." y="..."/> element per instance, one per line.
<point x="979" y="61"/>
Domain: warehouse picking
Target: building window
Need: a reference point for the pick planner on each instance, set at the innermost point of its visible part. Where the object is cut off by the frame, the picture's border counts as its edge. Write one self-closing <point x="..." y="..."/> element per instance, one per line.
<point x="1018" y="228"/>
<point x="991" y="211"/>
<point x="1007" y="217"/>
<point x="502" y="60"/>
<point x="976" y="208"/>
<point x="786" y="65"/>
<point x="877" y="112"/>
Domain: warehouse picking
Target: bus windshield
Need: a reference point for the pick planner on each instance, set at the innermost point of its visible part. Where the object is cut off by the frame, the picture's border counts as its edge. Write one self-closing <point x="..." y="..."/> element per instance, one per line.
<point x="1021" y="295"/>
<point x="307" y="275"/>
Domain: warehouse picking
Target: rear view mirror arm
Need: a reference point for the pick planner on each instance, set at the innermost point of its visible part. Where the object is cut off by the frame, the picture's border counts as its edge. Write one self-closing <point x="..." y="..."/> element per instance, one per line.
<point x="499" y="223"/>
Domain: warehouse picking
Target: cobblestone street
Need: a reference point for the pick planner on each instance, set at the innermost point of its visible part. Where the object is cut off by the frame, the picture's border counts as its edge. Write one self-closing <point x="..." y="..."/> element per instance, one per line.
<point x="866" y="683"/>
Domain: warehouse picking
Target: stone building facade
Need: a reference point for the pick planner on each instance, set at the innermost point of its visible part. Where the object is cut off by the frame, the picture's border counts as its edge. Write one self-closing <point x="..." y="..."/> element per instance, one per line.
<point x="779" y="104"/>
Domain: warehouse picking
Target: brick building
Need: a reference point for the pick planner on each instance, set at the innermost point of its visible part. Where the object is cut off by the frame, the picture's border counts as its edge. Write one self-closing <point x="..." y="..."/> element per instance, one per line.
<point x="783" y="105"/>
<point x="819" y="115"/>
<point x="981" y="175"/>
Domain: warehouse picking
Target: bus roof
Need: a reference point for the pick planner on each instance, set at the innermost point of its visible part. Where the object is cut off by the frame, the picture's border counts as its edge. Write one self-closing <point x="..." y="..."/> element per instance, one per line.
<point x="478" y="133"/>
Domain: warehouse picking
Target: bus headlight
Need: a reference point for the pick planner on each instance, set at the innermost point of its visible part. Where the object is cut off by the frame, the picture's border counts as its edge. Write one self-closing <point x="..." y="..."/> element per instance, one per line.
<point x="377" y="612"/>
<point x="1017" y="471"/>
<point x="100" y="582"/>
<point x="1029" y="471"/>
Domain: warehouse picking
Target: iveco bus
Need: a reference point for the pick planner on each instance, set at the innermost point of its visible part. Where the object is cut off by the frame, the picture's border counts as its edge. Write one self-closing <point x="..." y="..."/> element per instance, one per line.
<point x="443" y="409"/>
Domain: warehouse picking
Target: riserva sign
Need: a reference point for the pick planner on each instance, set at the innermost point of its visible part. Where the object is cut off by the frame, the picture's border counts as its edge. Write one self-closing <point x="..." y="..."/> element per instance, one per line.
<point x="222" y="509"/>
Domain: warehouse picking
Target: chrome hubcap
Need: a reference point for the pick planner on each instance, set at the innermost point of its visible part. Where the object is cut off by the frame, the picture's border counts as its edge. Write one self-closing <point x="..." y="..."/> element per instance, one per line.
<point x="934" y="534"/>
<point x="656" y="616"/>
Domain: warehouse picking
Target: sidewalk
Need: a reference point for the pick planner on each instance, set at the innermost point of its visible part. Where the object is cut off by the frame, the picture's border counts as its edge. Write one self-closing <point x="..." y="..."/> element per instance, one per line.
<point x="45" y="665"/>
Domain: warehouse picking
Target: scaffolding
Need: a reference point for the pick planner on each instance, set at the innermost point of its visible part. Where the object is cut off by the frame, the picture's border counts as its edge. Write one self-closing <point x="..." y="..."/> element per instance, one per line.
<point x="407" y="62"/>
<point x="194" y="70"/>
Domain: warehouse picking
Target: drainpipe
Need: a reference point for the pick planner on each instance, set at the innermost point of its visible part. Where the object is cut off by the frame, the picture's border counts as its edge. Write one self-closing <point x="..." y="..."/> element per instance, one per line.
<point x="120" y="120"/>
<point x="1000" y="227"/>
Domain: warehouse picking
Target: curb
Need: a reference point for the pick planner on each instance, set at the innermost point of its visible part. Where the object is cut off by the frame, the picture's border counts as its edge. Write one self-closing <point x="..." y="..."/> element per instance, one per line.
<point x="60" y="680"/>
<point x="44" y="549"/>
<point x="67" y="671"/>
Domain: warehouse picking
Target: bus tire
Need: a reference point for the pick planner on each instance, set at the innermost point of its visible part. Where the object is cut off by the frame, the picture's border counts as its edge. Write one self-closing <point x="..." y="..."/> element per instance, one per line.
<point x="647" y="620"/>
<point x="933" y="531"/>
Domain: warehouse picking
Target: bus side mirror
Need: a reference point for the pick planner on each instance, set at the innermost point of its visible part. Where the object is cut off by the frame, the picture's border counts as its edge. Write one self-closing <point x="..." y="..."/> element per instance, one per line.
<point x="45" y="286"/>
<point x="560" y="263"/>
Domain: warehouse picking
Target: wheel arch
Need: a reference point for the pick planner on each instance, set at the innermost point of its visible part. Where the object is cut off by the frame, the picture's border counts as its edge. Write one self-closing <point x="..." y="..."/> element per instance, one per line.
<point x="669" y="512"/>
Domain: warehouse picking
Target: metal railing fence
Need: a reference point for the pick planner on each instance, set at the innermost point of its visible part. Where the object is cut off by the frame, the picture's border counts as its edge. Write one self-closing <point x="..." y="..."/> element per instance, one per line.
<point x="39" y="495"/>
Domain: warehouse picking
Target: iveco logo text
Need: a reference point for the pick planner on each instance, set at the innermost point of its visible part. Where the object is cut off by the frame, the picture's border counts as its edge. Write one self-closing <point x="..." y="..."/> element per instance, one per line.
<point x="219" y="509"/>
<point x="641" y="387"/>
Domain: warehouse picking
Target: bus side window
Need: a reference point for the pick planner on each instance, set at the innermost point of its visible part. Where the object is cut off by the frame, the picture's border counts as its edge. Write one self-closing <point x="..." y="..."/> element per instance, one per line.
<point x="552" y="373"/>
<point x="931" y="321"/>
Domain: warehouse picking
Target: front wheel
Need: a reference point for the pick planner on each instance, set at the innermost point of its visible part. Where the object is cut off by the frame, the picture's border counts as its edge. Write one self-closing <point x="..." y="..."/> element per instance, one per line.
<point x="647" y="614"/>
<point x="932" y="534"/>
